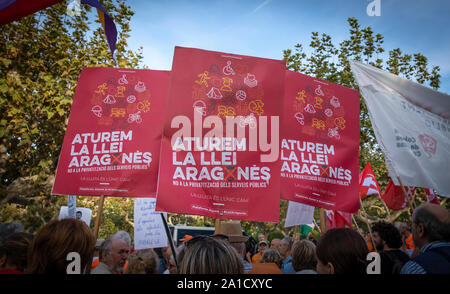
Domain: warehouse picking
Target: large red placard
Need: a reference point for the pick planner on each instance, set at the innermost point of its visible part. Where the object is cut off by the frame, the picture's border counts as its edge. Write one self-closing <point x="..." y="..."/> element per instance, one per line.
<point x="231" y="178"/>
<point x="320" y="144"/>
<point x="112" y="142"/>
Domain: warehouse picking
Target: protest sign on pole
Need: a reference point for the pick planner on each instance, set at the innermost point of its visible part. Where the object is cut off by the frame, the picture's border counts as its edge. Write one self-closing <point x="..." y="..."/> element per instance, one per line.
<point x="299" y="214"/>
<point x="149" y="229"/>
<point x="111" y="146"/>
<point x="211" y="170"/>
<point x="98" y="218"/>
<point x="72" y="205"/>
<point x="81" y="213"/>
<point x="411" y="124"/>
<point x="320" y="144"/>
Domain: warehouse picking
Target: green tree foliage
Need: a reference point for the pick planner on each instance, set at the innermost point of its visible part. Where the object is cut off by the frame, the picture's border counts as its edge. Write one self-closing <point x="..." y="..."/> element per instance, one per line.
<point x="41" y="57"/>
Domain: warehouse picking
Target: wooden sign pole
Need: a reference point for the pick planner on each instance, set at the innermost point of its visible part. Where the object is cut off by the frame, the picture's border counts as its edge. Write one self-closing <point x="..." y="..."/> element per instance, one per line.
<point x="323" y="227"/>
<point x="411" y="205"/>
<point x="368" y="224"/>
<point x="96" y="228"/>
<point x="217" y="225"/>
<point x="99" y="216"/>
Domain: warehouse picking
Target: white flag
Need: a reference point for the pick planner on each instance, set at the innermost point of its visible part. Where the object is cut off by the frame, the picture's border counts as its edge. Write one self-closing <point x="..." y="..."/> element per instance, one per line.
<point x="411" y="124"/>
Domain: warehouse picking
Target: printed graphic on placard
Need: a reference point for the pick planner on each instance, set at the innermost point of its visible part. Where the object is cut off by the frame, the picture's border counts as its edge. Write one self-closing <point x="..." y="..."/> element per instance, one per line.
<point x="210" y="169"/>
<point x="319" y="144"/>
<point x="109" y="148"/>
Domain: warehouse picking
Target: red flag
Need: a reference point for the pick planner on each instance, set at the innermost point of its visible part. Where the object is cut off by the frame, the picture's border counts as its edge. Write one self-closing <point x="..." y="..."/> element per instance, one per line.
<point x="338" y="219"/>
<point x="431" y="196"/>
<point x="368" y="184"/>
<point x="395" y="198"/>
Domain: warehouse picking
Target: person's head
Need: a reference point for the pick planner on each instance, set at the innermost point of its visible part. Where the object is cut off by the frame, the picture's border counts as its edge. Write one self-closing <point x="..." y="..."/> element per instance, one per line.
<point x="231" y="230"/>
<point x="13" y="251"/>
<point x="79" y="214"/>
<point x="142" y="262"/>
<point x="275" y="244"/>
<point x="49" y="249"/>
<point x="303" y="255"/>
<point x="261" y="237"/>
<point x="122" y="235"/>
<point x="386" y="236"/>
<point x="312" y="239"/>
<point x="207" y="255"/>
<point x="114" y="253"/>
<point x="272" y="256"/>
<point x="9" y="228"/>
<point x="430" y="222"/>
<point x="262" y="246"/>
<point x="341" y="251"/>
<point x="404" y="229"/>
<point x="286" y="246"/>
<point x="98" y="244"/>
<point x="240" y="248"/>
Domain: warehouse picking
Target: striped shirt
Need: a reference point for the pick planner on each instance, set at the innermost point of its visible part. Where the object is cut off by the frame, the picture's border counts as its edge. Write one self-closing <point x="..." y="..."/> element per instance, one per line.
<point x="412" y="267"/>
<point x="247" y="266"/>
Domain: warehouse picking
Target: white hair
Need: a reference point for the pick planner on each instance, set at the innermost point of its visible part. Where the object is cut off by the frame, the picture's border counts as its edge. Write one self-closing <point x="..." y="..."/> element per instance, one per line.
<point x="122" y="235"/>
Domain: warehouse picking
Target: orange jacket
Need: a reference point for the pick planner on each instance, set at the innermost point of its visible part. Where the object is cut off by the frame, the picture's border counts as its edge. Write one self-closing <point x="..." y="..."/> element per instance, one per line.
<point x="408" y="243"/>
<point x="256" y="257"/>
<point x="370" y="244"/>
<point x="265" y="268"/>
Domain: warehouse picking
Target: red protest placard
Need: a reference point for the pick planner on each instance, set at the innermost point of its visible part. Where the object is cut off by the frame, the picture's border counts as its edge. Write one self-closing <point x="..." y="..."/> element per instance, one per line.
<point x="112" y="142"/>
<point x="214" y="171"/>
<point x="320" y="144"/>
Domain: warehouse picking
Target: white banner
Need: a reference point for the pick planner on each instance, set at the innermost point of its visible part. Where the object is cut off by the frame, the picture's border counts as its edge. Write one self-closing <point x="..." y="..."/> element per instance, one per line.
<point x="299" y="214"/>
<point x="411" y="124"/>
<point x="149" y="231"/>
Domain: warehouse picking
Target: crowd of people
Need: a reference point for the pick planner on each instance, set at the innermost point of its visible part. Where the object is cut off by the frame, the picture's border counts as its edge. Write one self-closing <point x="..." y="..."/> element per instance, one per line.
<point x="423" y="248"/>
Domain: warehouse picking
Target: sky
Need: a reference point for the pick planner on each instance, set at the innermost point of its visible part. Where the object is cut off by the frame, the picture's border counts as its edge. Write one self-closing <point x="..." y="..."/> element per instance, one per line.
<point x="264" y="28"/>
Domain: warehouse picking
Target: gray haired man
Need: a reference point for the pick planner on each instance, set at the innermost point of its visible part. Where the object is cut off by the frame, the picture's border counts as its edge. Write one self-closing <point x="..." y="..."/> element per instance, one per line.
<point x="431" y="234"/>
<point x="113" y="256"/>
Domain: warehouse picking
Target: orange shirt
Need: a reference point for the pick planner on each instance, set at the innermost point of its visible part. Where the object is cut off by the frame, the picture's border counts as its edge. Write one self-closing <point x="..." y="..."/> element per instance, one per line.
<point x="95" y="263"/>
<point x="256" y="257"/>
<point x="409" y="244"/>
<point x="265" y="268"/>
<point x="370" y="244"/>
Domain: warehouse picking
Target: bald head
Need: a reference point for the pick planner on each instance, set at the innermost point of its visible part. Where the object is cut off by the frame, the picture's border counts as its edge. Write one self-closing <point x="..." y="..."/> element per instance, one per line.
<point x="438" y="211"/>
<point x="431" y="222"/>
